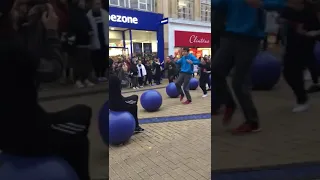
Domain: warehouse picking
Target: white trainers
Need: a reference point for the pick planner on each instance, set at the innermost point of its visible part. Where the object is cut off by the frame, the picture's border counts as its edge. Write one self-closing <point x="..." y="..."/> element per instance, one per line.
<point x="205" y="95"/>
<point x="137" y="88"/>
<point x="134" y="88"/>
<point x="79" y="84"/>
<point x="300" y="108"/>
<point x="88" y="83"/>
<point x="141" y="86"/>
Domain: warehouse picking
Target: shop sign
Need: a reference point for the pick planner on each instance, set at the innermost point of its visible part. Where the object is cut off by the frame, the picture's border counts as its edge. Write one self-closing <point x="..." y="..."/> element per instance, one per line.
<point x="123" y="19"/>
<point x="192" y="39"/>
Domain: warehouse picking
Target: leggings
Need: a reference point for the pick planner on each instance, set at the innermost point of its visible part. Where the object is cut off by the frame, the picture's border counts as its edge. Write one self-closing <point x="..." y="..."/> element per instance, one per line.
<point x="99" y="62"/>
<point x="67" y="138"/>
<point x="132" y="102"/>
<point x="299" y="55"/>
<point x="204" y="80"/>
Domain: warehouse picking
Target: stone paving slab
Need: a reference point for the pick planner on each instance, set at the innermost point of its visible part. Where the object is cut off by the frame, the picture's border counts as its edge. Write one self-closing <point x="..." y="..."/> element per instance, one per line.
<point x="173" y="150"/>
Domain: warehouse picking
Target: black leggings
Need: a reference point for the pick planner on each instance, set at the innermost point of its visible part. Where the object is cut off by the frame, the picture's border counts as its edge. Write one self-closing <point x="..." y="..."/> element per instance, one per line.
<point x="204" y="80"/>
<point x="99" y="62"/>
<point x="299" y="55"/>
<point x="132" y="102"/>
<point x="67" y="138"/>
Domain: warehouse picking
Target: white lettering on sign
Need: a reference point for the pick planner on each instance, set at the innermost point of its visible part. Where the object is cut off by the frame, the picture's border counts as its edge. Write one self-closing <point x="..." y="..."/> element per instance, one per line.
<point x="123" y="19"/>
<point x="195" y="39"/>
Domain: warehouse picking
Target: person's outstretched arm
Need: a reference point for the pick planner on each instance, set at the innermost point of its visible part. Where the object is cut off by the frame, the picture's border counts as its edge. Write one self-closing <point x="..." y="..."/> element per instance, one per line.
<point x="194" y="60"/>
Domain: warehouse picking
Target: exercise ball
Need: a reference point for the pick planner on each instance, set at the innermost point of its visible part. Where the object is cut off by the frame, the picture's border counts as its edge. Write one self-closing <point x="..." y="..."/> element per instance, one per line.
<point x="35" y="168"/>
<point x="171" y="90"/>
<point x="103" y="122"/>
<point x="194" y="83"/>
<point x="151" y="100"/>
<point x="265" y="71"/>
<point x="121" y="127"/>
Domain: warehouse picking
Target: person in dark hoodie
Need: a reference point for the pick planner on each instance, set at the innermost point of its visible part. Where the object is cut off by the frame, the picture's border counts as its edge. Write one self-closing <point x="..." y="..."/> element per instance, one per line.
<point x="149" y="69"/>
<point x="79" y="35"/>
<point x="170" y="66"/>
<point x="119" y="103"/>
<point x="245" y="26"/>
<point x="26" y="129"/>
<point x="302" y="34"/>
<point x="133" y="71"/>
<point x="205" y="71"/>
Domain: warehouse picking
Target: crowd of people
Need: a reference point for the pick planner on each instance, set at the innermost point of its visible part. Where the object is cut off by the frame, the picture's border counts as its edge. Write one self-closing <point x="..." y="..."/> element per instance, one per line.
<point x="83" y="28"/>
<point x="139" y="72"/>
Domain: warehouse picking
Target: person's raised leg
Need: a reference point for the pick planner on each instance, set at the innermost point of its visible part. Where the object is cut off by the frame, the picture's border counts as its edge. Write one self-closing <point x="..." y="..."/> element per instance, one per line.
<point x="222" y="64"/>
<point x="179" y="83"/>
<point x="68" y="137"/>
<point x="246" y="51"/>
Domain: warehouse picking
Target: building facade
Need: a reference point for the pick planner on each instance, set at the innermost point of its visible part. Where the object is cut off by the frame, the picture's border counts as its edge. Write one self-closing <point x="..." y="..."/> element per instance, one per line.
<point x="189" y="25"/>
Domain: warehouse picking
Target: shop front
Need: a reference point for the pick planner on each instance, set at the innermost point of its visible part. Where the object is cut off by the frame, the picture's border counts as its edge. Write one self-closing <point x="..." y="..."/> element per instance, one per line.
<point x="196" y="37"/>
<point x="135" y="33"/>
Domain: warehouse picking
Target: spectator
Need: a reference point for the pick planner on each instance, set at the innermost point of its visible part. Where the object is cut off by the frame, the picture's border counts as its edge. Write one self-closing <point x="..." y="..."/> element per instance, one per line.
<point x="43" y="133"/>
<point x="79" y="35"/>
<point x="98" y="18"/>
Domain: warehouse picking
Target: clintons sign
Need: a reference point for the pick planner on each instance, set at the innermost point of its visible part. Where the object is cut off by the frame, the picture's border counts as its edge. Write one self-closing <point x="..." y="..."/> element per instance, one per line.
<point x="192" y="39"/>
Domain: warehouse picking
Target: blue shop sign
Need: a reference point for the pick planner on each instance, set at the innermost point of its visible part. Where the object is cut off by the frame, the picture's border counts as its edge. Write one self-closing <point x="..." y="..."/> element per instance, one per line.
<point x="133" y="19"/>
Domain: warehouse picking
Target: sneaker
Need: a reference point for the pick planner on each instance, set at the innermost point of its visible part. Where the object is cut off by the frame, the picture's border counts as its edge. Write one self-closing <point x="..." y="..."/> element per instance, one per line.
<point x="138" y="129"/>
<point x="313" y="88"/>
<point x="137" y="88"/>
<point x="141" y="86"/>
<point x="134" y="88"/>
<point x="205" y="95"/>
<point x="181" y="97"/>
<point x="228" y="114"/>
<point x="88" y="83"/>
<point x="187" y="102"/>
<point x="79" y="84"/>
<point x="104" y="79"/>
<point x="247" y="128"/>
<point x="300" y="108"/>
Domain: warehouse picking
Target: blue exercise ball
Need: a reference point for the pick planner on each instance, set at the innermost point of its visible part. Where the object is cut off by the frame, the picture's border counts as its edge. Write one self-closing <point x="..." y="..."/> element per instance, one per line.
<point x="35" y="168"/>
<point x="151" y="100"/>
<point x="265" y="71"/>
<point x="194" y="83"/>
<point x="104" y="122"/>
<point x="171" y="90"/>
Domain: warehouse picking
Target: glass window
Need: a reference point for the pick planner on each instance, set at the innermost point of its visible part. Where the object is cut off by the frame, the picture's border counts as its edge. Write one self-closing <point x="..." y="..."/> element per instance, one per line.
<point x="185" y="9"/>
<point x="145" y="5"/>
<point x="205" y="10"/>
<point x="120" y="3"/>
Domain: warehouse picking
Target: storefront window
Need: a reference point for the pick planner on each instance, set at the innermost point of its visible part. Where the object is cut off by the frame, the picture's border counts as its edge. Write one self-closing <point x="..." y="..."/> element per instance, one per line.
<point x="185" y="9"/>
<point x="206" y="10"/>
<point x="120" y="3"/>
<point x="145" y="5"/>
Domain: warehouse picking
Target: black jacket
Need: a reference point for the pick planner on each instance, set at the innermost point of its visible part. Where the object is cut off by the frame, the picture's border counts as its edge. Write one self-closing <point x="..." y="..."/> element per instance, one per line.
<point x="133" y="69"/>
<point x="23" y="123"/>
<point x="79" y="26"/>
<point x="171" y="67"/>
<point x="116" y="101"/>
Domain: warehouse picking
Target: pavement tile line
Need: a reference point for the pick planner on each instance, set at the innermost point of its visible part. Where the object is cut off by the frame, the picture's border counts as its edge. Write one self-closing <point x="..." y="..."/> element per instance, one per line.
<point x="175" y="118"/>
<point x="296" y="171"/>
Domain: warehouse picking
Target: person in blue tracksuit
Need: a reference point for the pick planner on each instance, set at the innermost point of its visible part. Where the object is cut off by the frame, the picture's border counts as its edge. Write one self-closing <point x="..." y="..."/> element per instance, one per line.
<point x="186" y="63"/>
<point x="245" y="27"/>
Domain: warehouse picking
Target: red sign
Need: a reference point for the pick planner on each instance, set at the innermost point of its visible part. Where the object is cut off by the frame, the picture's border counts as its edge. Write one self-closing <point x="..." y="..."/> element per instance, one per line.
<point x="192" y="39"/>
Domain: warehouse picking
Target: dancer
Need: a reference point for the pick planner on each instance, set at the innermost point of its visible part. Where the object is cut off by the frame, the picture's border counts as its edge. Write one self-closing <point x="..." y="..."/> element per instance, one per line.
<point x="119" y="103"/>
<point x="245" y="24"/>
<point x="303" y="31"/>
<point x="204" y="75"/>
<point x="186" y="63"/>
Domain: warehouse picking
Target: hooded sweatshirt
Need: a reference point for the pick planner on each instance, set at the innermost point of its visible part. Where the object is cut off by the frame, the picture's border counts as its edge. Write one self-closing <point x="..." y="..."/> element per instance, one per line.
<point x="242" y="19"/>
<point x="116" y="102"/>
<point x="23" y="123"/>
<point x="185" y="67"/>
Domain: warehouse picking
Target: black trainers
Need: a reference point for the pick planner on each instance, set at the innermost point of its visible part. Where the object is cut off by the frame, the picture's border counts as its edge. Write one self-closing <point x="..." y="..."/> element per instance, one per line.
<point x="313" y="88"/>
<point x="139" y="129"/>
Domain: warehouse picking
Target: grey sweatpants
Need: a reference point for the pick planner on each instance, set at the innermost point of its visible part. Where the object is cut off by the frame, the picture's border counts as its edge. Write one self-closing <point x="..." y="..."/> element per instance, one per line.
<point x="236" y="52"/>
<point x="184" y="79"/>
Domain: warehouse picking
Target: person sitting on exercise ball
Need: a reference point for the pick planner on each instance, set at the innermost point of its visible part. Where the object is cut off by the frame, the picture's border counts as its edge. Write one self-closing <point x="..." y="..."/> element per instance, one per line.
<point x="119" y="103"/>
